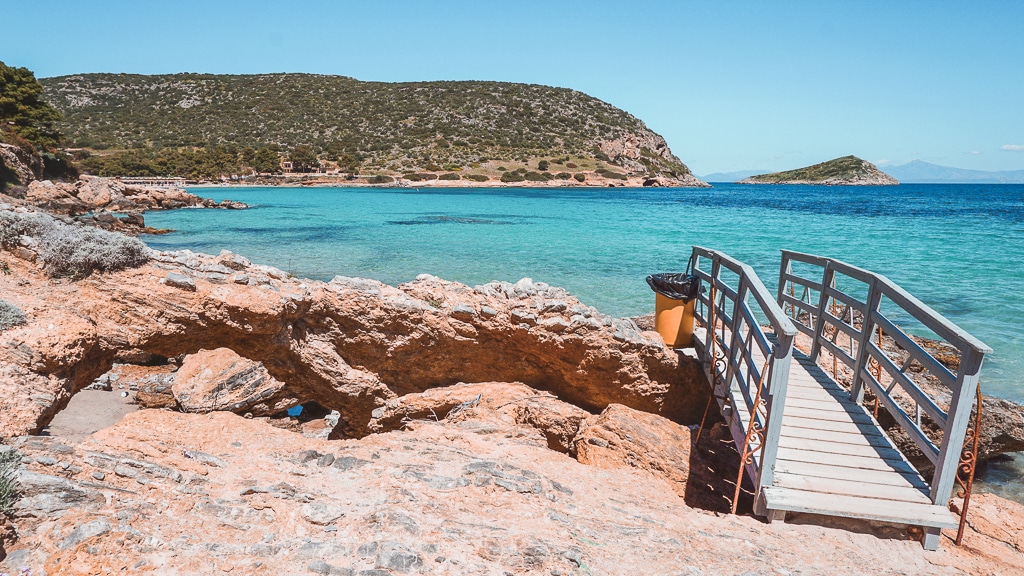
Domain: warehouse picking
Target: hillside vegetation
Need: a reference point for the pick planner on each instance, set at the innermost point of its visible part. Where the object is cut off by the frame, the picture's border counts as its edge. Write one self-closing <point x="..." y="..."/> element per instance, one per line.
<point x="354" y="125"/>
<point x="845" y="170"/>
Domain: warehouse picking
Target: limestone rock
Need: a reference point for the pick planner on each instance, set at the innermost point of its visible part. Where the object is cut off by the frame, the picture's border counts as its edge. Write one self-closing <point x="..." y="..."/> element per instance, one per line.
<point x="222" y="380"/>
<point x="461" y="496"/>
<point x="623" y="437"/>
<point x="18" y="165"/>
<point x="556" y="420"/>
<point x="350" y="345"/>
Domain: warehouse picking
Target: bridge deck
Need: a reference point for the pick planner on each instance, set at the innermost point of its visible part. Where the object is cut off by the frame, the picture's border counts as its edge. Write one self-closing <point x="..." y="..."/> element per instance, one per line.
<point x="835" y="459"/>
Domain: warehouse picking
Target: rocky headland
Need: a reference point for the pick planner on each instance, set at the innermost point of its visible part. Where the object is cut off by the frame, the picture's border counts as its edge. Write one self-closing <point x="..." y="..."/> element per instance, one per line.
<point x="107" y="203"/>
<point x="447" y="429"/>
<point x="845" y="171"/>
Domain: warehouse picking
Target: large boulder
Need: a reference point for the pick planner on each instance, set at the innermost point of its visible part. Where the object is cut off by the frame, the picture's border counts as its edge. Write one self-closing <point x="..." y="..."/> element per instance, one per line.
<point x="556" y="420"/>
<point x="621" y="437"/>
<point x="212" y="380"/>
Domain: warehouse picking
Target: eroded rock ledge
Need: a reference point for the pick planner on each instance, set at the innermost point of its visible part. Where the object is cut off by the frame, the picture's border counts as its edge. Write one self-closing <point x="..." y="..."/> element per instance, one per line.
<point x="350" y="345"/>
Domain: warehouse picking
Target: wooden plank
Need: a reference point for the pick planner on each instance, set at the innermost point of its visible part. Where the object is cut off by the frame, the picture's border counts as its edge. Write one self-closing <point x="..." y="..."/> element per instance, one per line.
<point x="837" y="436"/>
<point x="824" y="425"/>
<point x="929" y="362"/>
<point x="843" y="487"/>
<point x="806" y="391"/>
<point x="790" y="277"/>
<point x="845" y="299"/>
<point x="838" y="352"/>
<point x="854" y="507"/>
<point x="907" y="384"/>
<point x="865" y="450"/>
<point x="845" y="461"/>
<point x="887" y="477"/>
<point x="813" y="414"/>
<point x="826" y="404"/>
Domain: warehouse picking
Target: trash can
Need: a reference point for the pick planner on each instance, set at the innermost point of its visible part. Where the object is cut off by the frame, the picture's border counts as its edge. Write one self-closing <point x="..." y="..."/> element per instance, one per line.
<point x="675" y="298"/>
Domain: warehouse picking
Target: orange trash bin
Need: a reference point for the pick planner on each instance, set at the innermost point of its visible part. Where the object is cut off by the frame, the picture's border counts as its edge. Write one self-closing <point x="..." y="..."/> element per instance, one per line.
<point x="673" y="319"/>
<point x="674" y="304"/>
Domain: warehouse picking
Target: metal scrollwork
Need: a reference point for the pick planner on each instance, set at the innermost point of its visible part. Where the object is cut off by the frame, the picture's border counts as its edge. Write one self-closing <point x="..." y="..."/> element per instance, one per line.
<point x="966" y="469"/>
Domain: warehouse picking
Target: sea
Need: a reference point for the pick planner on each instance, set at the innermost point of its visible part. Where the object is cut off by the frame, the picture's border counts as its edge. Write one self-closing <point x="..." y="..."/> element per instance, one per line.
<point x="958" y="248"/>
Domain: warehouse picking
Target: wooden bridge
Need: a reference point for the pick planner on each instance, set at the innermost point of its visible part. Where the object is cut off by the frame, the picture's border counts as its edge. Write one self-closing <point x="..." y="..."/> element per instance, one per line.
<point x="809" y="444"/>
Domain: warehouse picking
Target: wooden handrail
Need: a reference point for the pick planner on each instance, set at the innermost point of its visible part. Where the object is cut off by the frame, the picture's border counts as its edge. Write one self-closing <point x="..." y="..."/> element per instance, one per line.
<point x="739" y="336"/>
<point x="963" y="384"/>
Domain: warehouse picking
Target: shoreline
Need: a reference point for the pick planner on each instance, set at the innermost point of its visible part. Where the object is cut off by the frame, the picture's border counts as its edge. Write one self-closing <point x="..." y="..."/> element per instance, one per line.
<point x="324" y="181"/>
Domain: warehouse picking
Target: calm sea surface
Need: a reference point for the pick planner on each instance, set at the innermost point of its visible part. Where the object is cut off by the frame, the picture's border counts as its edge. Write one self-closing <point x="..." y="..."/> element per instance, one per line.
<point x="959" y="248"/>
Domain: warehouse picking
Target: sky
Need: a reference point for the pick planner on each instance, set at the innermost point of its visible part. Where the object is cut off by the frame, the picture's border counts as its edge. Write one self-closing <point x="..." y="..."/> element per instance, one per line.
<point x="758" y="85"/>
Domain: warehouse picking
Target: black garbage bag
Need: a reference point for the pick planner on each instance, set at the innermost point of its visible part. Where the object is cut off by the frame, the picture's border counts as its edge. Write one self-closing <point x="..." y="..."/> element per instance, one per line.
<point x="677" y="286"/>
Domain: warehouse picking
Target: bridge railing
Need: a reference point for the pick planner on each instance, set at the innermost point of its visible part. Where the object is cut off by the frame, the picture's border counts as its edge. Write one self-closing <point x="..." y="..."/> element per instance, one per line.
<point x="839" y="307"/>
<point x="743" y="362"/>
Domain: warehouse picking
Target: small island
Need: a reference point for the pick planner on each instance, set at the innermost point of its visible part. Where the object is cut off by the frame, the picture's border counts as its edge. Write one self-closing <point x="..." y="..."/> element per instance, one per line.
<point x="845" y="171"/>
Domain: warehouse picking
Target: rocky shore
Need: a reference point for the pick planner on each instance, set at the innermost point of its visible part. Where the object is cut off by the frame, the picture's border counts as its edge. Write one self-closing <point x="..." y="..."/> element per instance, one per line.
<point x="445" y="429"/>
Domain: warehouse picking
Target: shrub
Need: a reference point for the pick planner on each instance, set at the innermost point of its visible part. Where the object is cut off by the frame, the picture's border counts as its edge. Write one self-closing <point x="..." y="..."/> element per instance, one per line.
<point x="419" y="176"/>
<point x="72" y="251"/>
<point x="9" y="488"/>
<point x="11" y="316"/>
<point x="432" y="167"/>
<point x="380" y="179"/>
<point x="611" y="174"/>
<point x="535" y="177"/>
<point x="512" y="177"/>
<point x="502" y="168"/>
<point x="563" y="175"/>
<point x="449" y="176"/>
<point x="477" y="177"/>
<point x="542" y="165"/>
<point x="579" y="177"/>
<point x="571" y="165"/>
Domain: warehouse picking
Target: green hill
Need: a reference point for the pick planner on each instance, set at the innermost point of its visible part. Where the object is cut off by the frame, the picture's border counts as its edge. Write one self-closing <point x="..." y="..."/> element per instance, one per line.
<point x="845" y="171"/>
<point x="384" y="126"/>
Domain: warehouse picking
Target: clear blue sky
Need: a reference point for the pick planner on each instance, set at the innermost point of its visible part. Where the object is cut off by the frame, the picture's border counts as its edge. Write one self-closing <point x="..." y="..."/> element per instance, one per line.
<point x="731" y="85"/>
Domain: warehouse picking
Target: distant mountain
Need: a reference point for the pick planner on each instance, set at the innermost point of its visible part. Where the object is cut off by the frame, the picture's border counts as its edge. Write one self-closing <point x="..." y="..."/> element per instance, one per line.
<point x="920" y="172"/>
<point x="845" y="171"/>
<point x="730" y="176"/>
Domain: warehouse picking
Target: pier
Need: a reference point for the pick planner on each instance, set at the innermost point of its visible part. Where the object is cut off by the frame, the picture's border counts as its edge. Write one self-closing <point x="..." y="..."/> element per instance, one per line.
<point x="790" y="375"/>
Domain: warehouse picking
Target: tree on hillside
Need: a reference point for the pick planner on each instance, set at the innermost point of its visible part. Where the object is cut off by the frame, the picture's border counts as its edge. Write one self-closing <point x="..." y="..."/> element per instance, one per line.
<point x="266" y="161"/>
<point x="23" y="113"/>
<point x="303" y="159"/>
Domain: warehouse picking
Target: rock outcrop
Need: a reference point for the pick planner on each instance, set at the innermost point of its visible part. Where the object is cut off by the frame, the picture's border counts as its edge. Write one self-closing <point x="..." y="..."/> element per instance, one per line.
<point x="648" y="153"/>
<point x="350" y="345"/>
<point x="165" y="492"/>
<point x="92" y="194"/>
<point x="18" y="167"/>
<point x="622" y="437"/>
<point x="213" y="380"/>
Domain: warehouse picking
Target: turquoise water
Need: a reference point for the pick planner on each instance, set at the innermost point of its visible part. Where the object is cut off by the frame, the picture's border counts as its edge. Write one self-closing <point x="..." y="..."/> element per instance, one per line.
<point x="959" y="248"/>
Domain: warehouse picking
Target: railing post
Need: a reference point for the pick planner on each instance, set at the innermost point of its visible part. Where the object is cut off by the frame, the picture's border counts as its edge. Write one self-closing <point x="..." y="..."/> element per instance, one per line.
<point x="958" y="417"/>
<point x="734" y="342"/>
<point x="778" y="383"/>
<point x="867" y="328"/>
<point x="716" y="269"/>
<point x="785" y="267"/>
<point x="827" y="278"/>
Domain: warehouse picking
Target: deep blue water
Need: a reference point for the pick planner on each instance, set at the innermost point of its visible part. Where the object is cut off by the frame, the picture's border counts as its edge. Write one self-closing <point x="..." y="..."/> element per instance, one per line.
<point x="959" y="248"/>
